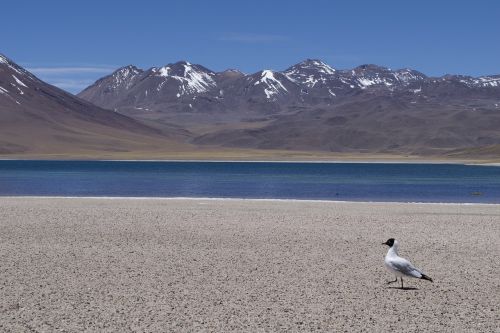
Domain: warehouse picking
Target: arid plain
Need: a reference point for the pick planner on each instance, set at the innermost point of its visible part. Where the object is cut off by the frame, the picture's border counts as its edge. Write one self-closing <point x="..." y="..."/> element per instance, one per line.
<point x="244" y="265"/>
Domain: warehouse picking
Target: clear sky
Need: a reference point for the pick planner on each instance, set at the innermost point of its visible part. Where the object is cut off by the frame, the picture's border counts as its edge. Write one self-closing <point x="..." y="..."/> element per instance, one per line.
<point x="71" y="43"/>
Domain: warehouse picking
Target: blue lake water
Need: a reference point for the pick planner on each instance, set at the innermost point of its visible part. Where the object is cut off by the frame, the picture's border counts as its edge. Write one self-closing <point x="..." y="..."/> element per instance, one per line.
<point x="330" y="181"/>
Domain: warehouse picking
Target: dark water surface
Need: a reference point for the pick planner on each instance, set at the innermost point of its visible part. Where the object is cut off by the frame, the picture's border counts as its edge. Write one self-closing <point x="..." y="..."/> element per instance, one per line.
<point x="332" y="181"/>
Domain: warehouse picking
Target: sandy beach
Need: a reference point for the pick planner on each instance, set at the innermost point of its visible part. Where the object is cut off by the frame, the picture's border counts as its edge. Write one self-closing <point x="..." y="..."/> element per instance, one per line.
<point x="158" y="265"/>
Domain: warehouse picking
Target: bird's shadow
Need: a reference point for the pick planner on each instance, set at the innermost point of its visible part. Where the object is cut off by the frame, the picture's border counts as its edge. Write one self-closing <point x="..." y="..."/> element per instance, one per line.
<point x="405" y="288"/>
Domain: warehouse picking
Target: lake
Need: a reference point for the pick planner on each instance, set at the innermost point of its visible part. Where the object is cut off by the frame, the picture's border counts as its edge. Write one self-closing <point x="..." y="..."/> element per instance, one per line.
<point x="319" y="181"/>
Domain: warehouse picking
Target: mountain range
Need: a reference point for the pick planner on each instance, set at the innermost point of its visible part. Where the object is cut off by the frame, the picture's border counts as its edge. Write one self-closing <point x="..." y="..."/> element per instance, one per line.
<point x="310" y="106"/>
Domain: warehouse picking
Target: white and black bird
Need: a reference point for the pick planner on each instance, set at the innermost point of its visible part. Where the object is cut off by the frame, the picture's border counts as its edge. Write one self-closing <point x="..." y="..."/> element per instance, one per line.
<point x="400" y="266"/>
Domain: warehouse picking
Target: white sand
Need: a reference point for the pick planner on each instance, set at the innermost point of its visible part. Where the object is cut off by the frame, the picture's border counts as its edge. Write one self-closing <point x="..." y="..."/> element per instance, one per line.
<point x="214" y="265"/>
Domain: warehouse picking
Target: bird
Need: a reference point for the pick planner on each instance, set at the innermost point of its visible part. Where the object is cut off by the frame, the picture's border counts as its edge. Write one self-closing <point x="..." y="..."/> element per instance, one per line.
<point x="400" y="266"/>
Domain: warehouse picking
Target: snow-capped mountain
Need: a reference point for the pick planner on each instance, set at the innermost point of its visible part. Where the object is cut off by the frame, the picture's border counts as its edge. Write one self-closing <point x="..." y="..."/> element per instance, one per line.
<point x="15" y="82"/>
<point x="112" y="88"/>
<point x="187" y="78"/>
<point x="123" y="78"/>
<point x="310" y="72"/>
<point x="312" y="105"/>
<point x="367" y="76"/>
<point x="182" y="86"/>
<point x="133" y="87"/>
<point x="479" y="82"/>
<point x="319" y="82"/>
<point x="269" y="86"/>
<point x="487" y="81"/>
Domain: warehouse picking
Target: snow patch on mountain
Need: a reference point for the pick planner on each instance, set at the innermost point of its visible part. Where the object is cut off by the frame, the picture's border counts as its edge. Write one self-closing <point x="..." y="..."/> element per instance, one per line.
<point x="365" y="82"/>
<point x="315" y="65"/>
<point x="407" y="76"/>
<point x="19" y="81"/>
<point x="272" y="85"/>
<point x="124" y="77"/>
<point x="486" y="81"/>
<point x="372" y="75"/>
<point x="18" y="89"/>
<point x="14" y="67"/>
<point x="234" y="71"/>
<point x="309" y="73"/>
<point x="5" y="92"/>
<point x="164" y="71"/>
<point x="311" y="81"/>
<point x="192" y="80"/>
<point x="321" y="67"/>
<point x="197" y="81"/>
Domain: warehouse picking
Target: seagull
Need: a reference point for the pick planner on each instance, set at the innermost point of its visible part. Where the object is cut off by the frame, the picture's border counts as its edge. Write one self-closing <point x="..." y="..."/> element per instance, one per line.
<point x="400" y="266"/>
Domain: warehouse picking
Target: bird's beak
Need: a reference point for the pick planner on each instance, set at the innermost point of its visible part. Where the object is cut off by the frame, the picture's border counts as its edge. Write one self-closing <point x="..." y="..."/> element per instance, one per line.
<point x="384" y="243"/>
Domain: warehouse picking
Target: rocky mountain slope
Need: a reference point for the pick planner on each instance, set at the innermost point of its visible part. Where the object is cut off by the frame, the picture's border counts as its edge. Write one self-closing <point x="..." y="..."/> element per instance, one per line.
<point x="312" y="106"/>
<point x="36" y="117"/>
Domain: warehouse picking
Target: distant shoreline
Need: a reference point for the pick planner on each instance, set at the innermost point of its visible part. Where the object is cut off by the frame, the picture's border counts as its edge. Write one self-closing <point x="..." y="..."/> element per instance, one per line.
<point x="332" y="161"/>
<point x="254" y="155"/>
<point x="247" y="200"/>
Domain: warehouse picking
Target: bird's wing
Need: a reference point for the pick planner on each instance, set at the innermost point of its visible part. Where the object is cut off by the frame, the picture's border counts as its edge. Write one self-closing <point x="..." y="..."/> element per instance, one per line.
<point x="404" y="267"/>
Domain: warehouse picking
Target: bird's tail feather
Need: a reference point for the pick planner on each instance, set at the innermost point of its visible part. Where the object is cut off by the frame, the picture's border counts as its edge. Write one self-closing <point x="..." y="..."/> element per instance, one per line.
<point x="425" y="277"/>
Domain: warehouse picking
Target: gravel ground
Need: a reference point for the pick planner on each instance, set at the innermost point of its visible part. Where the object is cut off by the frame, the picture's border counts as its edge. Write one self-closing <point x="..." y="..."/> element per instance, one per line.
<point x="156" y="265"/>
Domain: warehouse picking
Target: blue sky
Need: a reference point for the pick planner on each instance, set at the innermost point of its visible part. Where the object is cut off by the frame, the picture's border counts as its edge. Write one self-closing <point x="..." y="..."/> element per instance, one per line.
<point x="72" y="43"/>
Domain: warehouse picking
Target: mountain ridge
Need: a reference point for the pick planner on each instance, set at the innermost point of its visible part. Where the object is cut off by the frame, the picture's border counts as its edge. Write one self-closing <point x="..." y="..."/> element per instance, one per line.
<point x="36" y="117"/>
<point x="313" y="106"/>
<point x="400" y="74"/>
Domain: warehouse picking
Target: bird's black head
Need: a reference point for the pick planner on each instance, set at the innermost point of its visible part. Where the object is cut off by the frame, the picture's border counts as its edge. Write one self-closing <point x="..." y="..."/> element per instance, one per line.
<point x="390" y="242"/>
